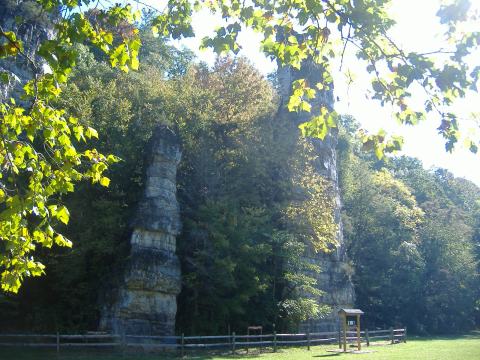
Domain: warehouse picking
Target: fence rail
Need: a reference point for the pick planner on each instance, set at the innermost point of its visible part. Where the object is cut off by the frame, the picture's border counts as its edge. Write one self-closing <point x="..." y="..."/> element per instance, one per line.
<point x="231" y="342"/>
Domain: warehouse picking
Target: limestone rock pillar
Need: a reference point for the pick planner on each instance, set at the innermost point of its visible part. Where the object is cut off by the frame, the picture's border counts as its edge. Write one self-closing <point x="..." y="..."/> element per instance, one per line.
<point x="146" y="301"/>
<point x="334" y="279"/>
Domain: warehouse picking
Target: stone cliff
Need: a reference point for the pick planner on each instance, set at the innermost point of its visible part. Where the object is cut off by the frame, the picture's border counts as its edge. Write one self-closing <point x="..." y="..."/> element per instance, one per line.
<point x="334" y="279"/>
<point x="145" y="302"/>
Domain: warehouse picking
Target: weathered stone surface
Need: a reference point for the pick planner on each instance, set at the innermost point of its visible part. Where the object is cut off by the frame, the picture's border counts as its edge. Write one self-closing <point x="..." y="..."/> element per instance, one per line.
<point x="334" y="280"/>
<point x="146" y="303"/>
<point x="34" y="29"/>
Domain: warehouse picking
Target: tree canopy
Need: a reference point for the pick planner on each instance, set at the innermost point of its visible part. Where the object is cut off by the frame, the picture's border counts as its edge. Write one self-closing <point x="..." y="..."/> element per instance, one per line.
<point x="254" y="211"/>
<point x="410" y="235"/>
<point x="43" y="152"/>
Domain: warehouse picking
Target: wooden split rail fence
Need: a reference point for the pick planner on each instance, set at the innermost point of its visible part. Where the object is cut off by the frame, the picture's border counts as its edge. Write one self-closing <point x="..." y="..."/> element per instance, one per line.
<point x="183" y="343"/>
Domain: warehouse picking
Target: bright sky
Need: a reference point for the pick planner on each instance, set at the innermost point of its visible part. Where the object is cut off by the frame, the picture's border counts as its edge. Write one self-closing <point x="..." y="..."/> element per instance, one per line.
<point x="417" y="29"/>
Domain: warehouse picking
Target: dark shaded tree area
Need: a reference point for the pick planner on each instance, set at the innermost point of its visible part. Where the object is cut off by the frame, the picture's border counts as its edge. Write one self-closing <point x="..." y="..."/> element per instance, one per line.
<point x="245" y="182"/>
<point x="412" y="239"/>
<point x="126" y="108"/>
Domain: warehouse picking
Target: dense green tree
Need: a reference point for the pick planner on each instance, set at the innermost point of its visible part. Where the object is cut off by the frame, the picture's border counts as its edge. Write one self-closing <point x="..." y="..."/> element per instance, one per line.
<point x="245" y="231"/>
<point x="126" y="107"/>
<point x="252" y="206"/>
<point x="34" y="178"/>
<point x="450" y="280"/>
<point x="381" y="220"/>
<point x="410" y="235"/>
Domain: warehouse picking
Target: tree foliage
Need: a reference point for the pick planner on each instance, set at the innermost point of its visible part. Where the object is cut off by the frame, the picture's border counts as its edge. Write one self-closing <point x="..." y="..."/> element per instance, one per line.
<point x="249" y="199"/>
<point x="126" y="107"/>
<point x="40" y="146"/>
<point x="253" y="209"/>
<point x="252" y="205"/>
<point x="410" y="236"/>
<point x="293" y="31"/>
<point x="39" y="149"/>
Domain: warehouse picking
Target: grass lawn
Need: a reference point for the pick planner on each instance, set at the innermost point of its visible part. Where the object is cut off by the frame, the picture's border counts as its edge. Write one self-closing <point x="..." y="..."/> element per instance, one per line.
<point x="438" y="348"/>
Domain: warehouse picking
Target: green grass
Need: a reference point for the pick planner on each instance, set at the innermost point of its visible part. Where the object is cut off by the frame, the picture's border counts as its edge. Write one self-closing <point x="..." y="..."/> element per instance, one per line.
<point x="438" y="348"/>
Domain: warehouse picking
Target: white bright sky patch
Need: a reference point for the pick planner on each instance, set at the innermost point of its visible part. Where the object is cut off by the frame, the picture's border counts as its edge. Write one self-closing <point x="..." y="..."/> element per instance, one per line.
<point x="417" y="29"/>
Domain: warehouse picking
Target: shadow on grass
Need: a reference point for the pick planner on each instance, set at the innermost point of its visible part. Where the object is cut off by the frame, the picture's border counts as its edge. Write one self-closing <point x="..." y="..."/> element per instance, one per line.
<point x="20" y="353"/>
<point x="240" y="354"/>
<point x="326" y="355"/>
<point x="474" y="335"/>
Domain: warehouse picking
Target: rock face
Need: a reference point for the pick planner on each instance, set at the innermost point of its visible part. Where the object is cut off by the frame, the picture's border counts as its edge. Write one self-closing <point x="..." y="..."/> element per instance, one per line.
<point x="34" y="28"/>
<point x="334" y="280"/>
<point x="145" y="303"/>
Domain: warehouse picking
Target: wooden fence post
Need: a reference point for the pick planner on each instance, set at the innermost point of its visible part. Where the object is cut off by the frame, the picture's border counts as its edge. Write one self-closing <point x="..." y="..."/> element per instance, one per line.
<point x="405" y="335"/>
<point x="339" y="338"/>
<point x="367" y="338"/>
<point x="229" y="335"/>
<point x="183" y="345"/>
<point x="58" y="343"/>
<point x="308" y="338"/>
<point x="233" y="342"/>
<point x="359" y="337"/>
<point x="391" y="335"/>
<point x="274" y="341"/>
<point x="123" y="341"/>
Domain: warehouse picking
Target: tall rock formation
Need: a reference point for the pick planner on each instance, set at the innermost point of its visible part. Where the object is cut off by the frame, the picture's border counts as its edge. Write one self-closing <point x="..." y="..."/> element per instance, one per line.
<point x="145" y="303"/>
<point x="334" y="279"/>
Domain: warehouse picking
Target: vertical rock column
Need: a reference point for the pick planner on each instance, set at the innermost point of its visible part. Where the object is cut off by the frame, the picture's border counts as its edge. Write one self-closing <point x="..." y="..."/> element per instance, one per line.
<point x="146" y="301"/>
<point x="334" y="279"/>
